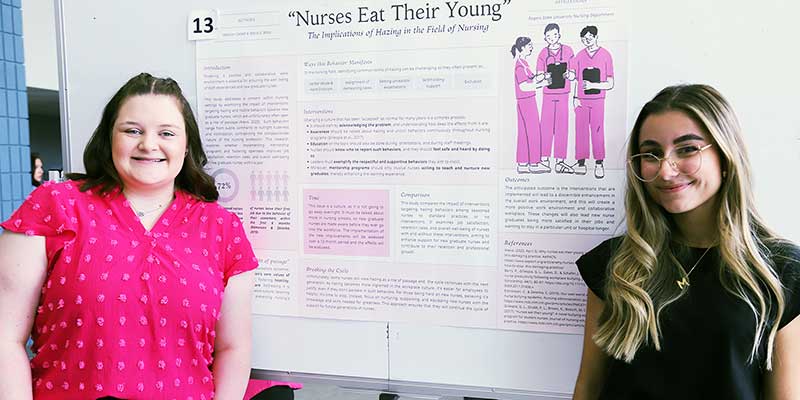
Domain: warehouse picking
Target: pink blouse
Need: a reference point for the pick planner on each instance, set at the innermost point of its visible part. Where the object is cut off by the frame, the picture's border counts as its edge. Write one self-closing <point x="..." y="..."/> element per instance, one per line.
<point x="128" y="312"/>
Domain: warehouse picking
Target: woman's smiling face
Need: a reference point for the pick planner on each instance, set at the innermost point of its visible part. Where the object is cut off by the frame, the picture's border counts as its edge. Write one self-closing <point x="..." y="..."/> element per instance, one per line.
<point x="148" y="141"/>
<point x="673" y="190"/>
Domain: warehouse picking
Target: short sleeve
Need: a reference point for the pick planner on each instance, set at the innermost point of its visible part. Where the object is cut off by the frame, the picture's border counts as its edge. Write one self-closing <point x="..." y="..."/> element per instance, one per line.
<point x="520" y="75"/>
<point x="568" y="54"/>
<point x="609" y="65"/>
<point x="44" y="212"/>
<point x="239" y="256"/>
<point x="787" y="261"/>
<point x="541" y="61"/>
<point x="594" y="264"/>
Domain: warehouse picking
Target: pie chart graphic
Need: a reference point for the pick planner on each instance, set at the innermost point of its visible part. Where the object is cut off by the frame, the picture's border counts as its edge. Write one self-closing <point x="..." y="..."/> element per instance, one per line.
<point x="227" y="184"/>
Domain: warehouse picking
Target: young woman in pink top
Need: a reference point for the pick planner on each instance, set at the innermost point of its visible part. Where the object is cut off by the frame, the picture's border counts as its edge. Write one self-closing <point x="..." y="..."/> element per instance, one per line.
<point x="119" y="273"/>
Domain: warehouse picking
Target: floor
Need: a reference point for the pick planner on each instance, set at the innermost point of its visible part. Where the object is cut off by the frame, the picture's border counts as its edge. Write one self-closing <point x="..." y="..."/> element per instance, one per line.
<point x="319" y="391"/>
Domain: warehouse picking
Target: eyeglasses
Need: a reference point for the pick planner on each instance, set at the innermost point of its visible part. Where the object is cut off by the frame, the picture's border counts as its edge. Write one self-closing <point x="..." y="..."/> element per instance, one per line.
<point x="685" y="159"/>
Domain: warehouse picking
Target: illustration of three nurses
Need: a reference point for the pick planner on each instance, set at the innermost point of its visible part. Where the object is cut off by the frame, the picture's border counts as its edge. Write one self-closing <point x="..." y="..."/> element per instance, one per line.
<point x="557" y="67"/>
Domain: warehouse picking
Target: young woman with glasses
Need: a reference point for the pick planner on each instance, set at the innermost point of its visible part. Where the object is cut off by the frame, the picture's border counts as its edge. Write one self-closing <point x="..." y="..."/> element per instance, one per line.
<point x="699" y="298"/>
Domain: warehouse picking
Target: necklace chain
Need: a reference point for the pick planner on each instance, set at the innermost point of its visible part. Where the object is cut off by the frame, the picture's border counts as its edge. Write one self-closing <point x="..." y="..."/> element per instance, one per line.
<point x="143" y="213"/>
<point x="684" y="282"/>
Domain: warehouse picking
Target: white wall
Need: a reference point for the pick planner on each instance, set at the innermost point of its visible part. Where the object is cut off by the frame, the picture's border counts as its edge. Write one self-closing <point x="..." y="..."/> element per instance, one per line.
<point x="39" y="38"/>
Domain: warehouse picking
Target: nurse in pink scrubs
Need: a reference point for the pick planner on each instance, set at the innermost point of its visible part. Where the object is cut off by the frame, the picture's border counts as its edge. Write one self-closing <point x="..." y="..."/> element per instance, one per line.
<point x="529" y="138"/>
<point x="554" y="59"/>
<point x="594" y="73"/>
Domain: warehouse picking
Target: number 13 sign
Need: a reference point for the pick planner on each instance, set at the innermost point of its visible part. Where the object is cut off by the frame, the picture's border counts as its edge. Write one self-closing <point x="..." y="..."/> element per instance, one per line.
<point x="203" y="24"/>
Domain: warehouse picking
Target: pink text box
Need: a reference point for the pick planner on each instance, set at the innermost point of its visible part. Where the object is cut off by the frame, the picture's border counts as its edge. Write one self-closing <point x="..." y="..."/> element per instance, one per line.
<point x="346" y="222"/>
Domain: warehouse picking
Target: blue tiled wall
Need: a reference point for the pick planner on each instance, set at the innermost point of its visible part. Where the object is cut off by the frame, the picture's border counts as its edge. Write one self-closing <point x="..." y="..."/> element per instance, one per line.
<point x="15" y="166"/>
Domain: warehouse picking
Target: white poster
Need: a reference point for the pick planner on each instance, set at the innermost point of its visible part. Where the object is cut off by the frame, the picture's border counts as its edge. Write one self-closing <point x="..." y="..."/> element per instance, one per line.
<point x="438" y="162"/>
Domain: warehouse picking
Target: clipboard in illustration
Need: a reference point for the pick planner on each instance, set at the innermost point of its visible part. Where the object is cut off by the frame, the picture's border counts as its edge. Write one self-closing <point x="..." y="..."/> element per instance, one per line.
<point x="591" y="75"/>
<point x="556" y="72"/>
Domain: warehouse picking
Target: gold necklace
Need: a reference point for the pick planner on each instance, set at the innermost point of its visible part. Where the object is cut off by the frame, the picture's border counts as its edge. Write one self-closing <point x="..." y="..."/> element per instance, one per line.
<point x="684" y="283"/>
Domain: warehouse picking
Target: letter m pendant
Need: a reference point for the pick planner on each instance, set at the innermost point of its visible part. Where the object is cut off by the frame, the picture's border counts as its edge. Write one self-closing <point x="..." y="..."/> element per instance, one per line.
<point x="683" y="283"/>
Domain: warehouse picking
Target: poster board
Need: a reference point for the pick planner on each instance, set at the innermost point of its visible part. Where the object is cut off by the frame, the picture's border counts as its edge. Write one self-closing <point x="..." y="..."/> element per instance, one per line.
<point x="665" y="44"/>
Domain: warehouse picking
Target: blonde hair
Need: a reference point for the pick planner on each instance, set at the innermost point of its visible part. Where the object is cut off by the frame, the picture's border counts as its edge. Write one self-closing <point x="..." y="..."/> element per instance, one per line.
<point x="642" y="272"/>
